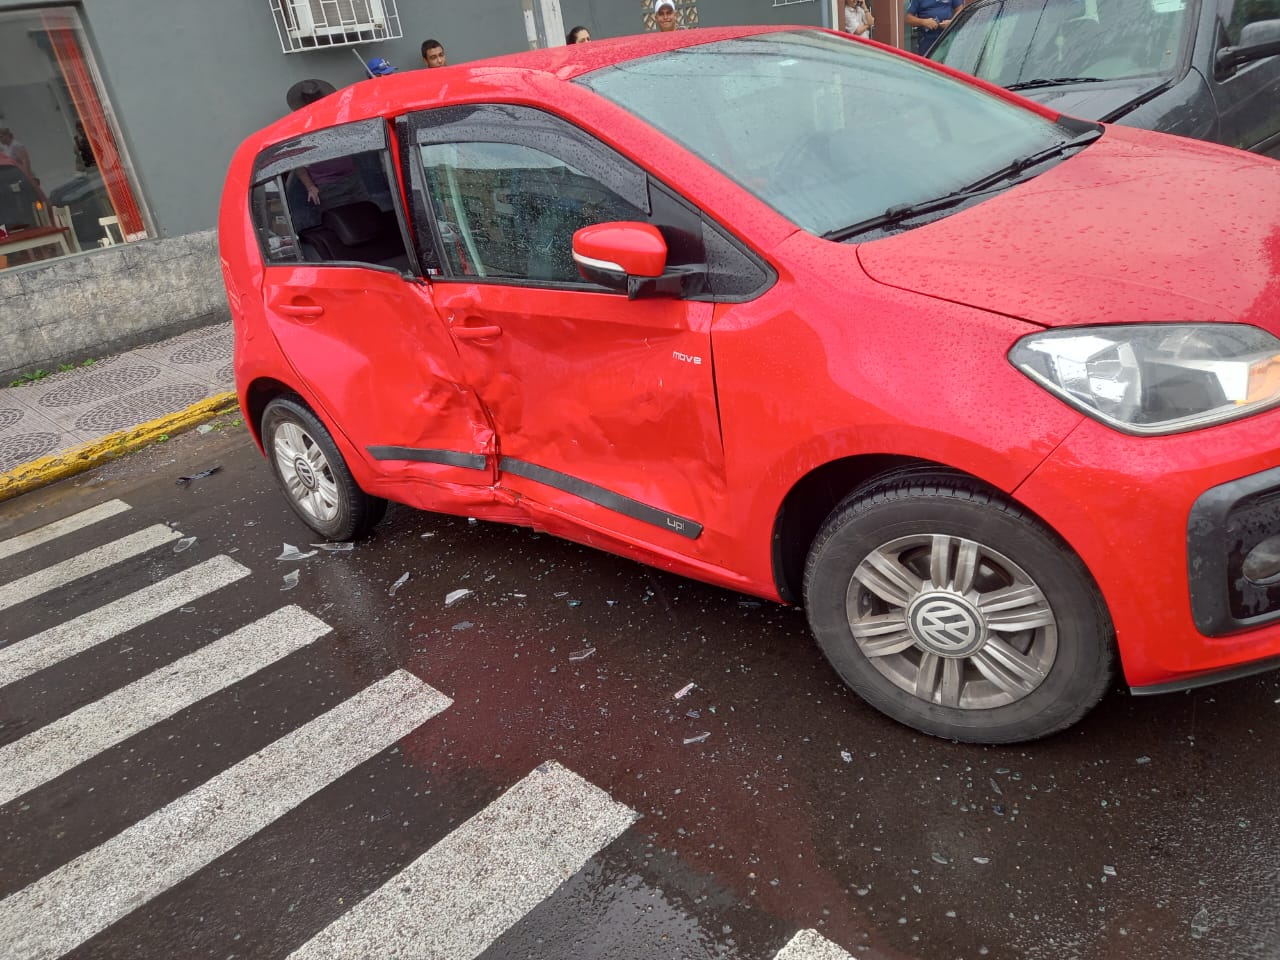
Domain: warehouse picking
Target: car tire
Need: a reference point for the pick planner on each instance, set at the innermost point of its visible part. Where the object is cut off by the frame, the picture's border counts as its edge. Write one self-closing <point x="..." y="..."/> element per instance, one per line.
<point x="955" y="612"/>
<point x="314" y="477"/>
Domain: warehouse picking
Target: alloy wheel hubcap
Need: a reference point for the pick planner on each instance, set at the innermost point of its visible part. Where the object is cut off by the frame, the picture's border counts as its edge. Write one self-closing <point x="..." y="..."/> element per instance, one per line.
<point x="306" y="476"/>
<point x="946" y="624"/>
<point x="306" y="473"/>
<point x="952" y="621"/>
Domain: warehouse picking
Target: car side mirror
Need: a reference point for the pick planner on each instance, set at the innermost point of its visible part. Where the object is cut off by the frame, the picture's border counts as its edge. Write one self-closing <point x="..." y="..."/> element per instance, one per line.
<point x="1258" y="40"/>
<point x="631" y="256"/>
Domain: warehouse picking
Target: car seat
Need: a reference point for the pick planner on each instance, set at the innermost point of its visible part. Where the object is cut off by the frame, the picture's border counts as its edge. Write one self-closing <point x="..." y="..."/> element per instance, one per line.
<point x="360" y="232"/>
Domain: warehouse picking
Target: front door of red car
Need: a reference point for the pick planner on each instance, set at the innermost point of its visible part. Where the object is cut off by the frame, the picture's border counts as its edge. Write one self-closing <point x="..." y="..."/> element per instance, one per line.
<point x="361" y="330"/>
<point x="604" y="407"/>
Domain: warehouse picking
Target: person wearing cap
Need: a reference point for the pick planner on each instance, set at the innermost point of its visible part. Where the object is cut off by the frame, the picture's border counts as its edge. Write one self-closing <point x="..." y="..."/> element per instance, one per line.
<point x="664" y="15"/>
<point x="433" y="54"/>
<point x="380" y="67"/>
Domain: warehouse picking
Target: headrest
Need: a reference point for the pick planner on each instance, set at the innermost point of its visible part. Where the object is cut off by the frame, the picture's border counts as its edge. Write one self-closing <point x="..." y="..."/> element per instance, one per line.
<point x="355" y="223"/>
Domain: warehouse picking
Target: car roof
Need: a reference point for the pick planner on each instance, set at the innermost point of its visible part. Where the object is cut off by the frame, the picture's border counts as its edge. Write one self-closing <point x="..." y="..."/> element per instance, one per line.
<point x="416" y="89"/>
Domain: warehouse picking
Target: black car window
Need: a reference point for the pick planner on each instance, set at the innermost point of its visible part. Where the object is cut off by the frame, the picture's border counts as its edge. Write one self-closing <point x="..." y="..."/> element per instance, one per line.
<point x="509" y="185"/>
<point x="509" y="211"/>
<point x="1243" y="13"/>
<point x="327" y="197"/>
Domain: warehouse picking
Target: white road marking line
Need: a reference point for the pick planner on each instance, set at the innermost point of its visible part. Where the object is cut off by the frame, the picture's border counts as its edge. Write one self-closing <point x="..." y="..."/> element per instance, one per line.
<point x="56" y="748"/>
<point x="59" y="528"/>
<point x="811" y="945"/>
<point x="64" y="908"/>
<point x="91" y="561"/>
<point x="462" y="894"/>
<point x="44" y="649"/>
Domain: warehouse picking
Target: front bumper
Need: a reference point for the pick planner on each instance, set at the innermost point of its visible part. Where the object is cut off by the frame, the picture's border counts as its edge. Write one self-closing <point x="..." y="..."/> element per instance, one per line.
<point x="1163" y="524"/>
<point x="1228" y="524"/>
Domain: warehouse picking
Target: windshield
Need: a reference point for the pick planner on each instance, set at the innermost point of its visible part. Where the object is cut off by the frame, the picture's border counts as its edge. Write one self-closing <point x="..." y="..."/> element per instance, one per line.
<point x="828" y="131"/>
<point x="1016" y="42"/>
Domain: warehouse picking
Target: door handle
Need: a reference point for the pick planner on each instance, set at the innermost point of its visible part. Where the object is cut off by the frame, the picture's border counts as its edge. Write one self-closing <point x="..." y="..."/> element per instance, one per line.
<point x="299" y="309"/>
<point x="477" y="333"/>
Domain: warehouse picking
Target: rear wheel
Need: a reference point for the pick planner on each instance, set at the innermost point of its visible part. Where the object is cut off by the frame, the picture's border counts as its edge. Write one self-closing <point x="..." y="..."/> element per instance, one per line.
<point x="313" y="475"/>
<point x="951" y="610"/>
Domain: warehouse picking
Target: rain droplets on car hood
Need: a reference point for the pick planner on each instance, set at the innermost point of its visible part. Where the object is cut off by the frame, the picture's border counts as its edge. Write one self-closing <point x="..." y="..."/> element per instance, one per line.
<point x="1137" y="227"/>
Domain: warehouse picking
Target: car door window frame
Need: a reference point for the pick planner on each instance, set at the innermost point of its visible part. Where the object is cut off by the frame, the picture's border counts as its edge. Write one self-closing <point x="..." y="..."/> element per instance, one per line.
<point x="559" y="138"/>
<point x="275" y="164"/>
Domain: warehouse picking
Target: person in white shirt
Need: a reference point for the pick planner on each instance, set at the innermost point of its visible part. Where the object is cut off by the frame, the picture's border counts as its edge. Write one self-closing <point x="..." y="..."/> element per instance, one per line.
<point x="16" y="151"/>
<point x="857" y="18"/>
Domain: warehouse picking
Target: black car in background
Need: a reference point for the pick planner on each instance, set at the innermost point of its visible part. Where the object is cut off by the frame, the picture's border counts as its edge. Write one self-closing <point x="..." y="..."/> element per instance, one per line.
<point x="1208" y="69"/>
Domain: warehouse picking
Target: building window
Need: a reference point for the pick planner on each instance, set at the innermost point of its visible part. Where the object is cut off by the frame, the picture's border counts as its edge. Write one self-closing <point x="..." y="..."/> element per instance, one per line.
<point x="66" y="184"/>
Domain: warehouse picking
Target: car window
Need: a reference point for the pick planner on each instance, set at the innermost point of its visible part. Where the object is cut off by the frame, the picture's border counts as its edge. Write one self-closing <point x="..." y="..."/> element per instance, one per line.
<point x="827" y="131"/>
<point x="327" y="198"/>
<point x="1243" y="13"/>
<point x="1021" y="41"/>
<point x="506" y="210"/>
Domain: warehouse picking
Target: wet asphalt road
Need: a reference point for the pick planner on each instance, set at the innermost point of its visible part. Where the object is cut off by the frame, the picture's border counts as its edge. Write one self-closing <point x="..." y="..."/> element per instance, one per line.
<point x="1148" y="831"/>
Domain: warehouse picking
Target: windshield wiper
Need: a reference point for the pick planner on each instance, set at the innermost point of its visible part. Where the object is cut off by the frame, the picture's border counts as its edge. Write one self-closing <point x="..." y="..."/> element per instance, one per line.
<point x="991" y="183"/>
<point x="1054" y="82"/>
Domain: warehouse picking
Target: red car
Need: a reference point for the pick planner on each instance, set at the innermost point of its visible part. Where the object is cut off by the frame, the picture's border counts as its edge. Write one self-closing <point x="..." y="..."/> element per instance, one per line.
<point x="990" y="390"/>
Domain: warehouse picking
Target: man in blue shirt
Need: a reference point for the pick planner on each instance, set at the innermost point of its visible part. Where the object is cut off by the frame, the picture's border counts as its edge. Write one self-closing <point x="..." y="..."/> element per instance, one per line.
<point x="931" y="17"/>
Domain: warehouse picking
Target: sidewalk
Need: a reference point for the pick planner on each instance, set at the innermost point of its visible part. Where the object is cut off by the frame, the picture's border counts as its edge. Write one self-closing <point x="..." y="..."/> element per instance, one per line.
<point x="70" y="421"/>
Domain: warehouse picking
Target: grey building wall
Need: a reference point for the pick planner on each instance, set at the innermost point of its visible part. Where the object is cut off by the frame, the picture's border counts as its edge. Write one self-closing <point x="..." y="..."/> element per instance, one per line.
<point x="188" y="80"/>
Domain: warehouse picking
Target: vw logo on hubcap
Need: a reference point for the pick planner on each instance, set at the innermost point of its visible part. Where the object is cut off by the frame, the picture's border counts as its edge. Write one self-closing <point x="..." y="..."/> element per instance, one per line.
<point x="946" y="624"/>
<point x="305" y="473"/>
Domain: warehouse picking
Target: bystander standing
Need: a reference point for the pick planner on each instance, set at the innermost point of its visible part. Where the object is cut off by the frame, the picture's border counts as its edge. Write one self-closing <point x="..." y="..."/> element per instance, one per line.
<point x="577" y="35"/>
<point x="931" y="17"/>
<point x="16" y="151"/>
<point x="857" y="18"/>
<point x="433" y="53"/>
<point x="664" y="15"/>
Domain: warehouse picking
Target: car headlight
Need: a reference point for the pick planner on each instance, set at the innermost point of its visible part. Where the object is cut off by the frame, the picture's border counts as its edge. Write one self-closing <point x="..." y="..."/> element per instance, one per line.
<point x="1156" y="378"/>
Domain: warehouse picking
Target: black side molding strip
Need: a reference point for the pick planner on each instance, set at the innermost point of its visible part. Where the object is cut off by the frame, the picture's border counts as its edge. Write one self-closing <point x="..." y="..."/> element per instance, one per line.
<point x="452" y="458"/>
<point x="602" y="497"/>
<point x="1207" y="679"/>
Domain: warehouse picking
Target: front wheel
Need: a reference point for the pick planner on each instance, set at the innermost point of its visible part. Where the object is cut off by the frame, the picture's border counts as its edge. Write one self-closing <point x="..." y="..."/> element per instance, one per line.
<point x="954" y="612"/>
<point x="313" y="475"/>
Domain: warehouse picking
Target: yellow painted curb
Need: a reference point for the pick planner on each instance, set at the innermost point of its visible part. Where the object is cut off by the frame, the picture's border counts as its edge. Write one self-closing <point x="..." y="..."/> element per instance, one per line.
<point x="68" y="463"/>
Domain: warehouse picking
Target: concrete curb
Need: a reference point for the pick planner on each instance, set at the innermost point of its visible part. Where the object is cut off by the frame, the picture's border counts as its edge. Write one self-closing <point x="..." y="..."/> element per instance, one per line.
<point x="68" y="463"/>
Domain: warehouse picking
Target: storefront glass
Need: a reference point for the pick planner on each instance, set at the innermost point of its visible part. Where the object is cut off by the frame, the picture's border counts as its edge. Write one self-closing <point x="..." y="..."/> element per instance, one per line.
<point x="66" y="184"/>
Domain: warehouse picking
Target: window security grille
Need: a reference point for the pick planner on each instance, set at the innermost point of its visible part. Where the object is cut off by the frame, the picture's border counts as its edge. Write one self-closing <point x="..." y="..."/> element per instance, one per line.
<point x="316" y="24"/>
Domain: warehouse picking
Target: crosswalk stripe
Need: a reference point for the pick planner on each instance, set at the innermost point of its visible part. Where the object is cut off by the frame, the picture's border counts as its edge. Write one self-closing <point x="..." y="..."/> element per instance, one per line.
<point x="462" y="894"/>
<point x="91" y="561"/>
<point x="56" y="748"/>
<point x="78" y="900"/>
<point x="35" y="653"/>
<point x="811" y="945"/>
<point x="59" y="528"/>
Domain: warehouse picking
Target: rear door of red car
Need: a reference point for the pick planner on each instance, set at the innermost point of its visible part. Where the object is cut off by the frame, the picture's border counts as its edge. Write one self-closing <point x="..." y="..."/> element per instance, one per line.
<point x="605" y="407"/>
<point x="344" y="296"/>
